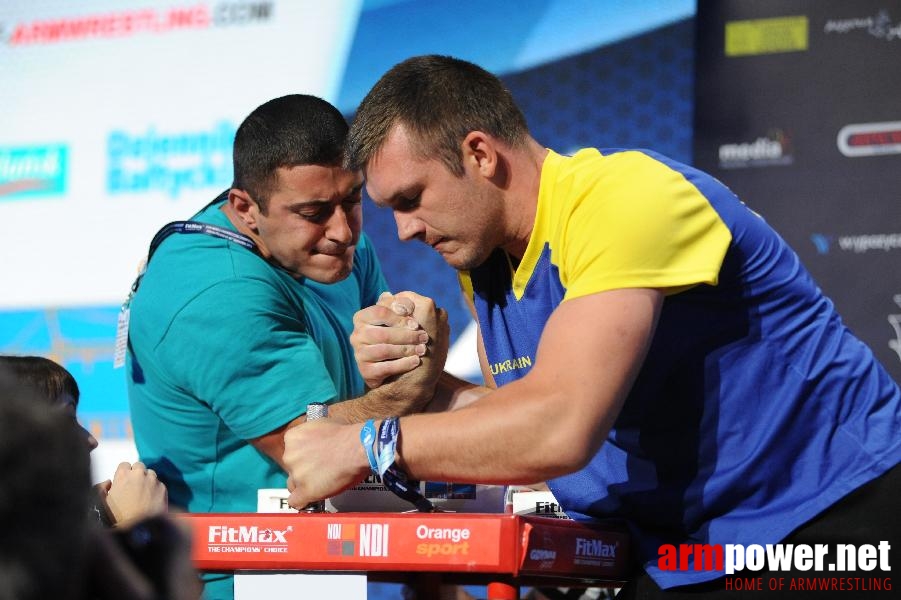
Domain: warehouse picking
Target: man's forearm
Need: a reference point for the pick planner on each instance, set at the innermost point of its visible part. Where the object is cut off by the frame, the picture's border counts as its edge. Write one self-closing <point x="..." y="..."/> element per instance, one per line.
<point x="384" y="401"/>
<point x="452" y="393"/>
<point x="389" y="400"/>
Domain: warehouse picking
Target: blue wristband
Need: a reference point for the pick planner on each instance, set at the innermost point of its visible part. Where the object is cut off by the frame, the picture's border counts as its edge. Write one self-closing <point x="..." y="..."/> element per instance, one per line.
<point x="367" y="438"/>
<point x="389" y="431"/>
<point x="393" y="478"/>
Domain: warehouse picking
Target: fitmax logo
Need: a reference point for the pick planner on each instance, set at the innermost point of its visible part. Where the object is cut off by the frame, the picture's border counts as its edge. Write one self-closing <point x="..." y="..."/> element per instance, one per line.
<point x="546" y="508"/>
<point x="592" y="548"/>
<point x="220" y="534"/>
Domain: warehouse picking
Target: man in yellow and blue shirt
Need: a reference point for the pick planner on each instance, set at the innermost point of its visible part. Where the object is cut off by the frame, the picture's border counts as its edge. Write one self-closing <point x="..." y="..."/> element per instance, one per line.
<point x="659" y="353"/>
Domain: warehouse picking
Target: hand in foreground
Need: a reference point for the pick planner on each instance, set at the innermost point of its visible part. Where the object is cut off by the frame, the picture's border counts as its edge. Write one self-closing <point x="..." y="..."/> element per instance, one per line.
<point x="397" y="335"/>
<point x="134" y="493"/>
<point x="323" y="458"/>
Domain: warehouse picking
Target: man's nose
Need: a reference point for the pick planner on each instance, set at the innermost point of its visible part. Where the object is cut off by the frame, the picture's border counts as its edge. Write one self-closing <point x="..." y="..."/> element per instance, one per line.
<point x="408" y="227"/>
<point x="339" y="228"/>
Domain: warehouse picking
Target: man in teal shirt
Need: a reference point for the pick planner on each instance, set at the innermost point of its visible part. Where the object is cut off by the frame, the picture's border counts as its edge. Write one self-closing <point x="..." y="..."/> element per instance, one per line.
<point x="243" y="314"/>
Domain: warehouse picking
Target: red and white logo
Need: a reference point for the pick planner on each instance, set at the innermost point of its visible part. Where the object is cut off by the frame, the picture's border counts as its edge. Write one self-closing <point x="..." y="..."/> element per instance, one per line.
<point x="247" y="539"/>
<point x="870" y="139"/>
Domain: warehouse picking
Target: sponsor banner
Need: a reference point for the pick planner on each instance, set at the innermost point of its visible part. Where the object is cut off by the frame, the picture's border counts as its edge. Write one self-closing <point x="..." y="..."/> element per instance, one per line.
<point x="171" y="162"/>
<point x="879" y="25"/>
<point x="809" y="139"/>
<point x="552" y="545"/>
<point x="870" y="139"/>
<point x="856" y="244"/>
<point x="358" y="541"/>
<point x="33" y="171"/>
<point x="766" y="36"/>
<point x="774" y="149"/>
<point x="130" y="22"/>
<point x="147" y="139"/>
<point x="437" y="542"/>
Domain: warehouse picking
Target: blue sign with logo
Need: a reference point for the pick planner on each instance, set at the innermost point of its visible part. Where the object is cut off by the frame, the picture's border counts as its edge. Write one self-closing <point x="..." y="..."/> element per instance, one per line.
<point x="33" y="171"/>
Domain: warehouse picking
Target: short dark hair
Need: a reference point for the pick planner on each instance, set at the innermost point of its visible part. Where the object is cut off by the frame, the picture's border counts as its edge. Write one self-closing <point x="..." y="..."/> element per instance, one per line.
<point x="41" y="377"/>
<point x="285" y="132"/>
<point x="439" y="100"/>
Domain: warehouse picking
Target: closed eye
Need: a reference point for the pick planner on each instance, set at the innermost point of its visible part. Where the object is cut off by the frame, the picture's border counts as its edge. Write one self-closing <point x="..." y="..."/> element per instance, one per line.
<point x="403" y="204"/>
<point x="316" y="213"/>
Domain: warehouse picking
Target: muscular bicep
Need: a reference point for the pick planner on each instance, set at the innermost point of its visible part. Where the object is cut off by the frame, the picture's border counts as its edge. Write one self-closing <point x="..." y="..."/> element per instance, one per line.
<point x="589" y="355"/>
<point x="552" y="421"/>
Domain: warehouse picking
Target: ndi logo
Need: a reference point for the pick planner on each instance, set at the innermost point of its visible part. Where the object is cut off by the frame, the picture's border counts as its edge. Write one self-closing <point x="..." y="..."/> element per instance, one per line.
<point x="170" y="162"/>
<point x="30" y="171"/>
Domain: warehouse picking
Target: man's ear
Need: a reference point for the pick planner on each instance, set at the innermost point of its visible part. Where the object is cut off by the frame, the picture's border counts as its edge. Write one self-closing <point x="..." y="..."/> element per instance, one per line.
<point x="480" y="152"/>
<point x="245" y="207"/>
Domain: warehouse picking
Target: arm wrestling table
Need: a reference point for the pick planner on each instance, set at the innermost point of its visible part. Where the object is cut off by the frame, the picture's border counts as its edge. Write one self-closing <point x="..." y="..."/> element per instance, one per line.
<point x="424" y="550"/>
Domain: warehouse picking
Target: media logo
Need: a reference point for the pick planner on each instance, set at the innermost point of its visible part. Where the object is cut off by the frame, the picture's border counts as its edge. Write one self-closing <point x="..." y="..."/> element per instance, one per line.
<point x="247" y="539"/>
<point x="880" y="26"/>
<point x="870" y="139"/>
<point x="169" y="162"/>
<point x="32" y="171"/>
<point x="774" y="149"/>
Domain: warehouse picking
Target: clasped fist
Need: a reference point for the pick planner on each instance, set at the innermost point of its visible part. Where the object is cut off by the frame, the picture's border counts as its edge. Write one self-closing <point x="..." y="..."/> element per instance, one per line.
<point x="402" y="341"/>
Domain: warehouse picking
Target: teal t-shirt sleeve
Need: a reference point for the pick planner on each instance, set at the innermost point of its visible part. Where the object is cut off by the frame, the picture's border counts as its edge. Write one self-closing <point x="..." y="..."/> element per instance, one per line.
<point x="251" y="360"/>
<point x="372" y="280"/>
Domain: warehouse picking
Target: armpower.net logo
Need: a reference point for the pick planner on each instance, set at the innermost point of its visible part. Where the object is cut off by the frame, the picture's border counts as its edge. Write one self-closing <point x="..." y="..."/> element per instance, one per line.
<point x="741" y="564"/>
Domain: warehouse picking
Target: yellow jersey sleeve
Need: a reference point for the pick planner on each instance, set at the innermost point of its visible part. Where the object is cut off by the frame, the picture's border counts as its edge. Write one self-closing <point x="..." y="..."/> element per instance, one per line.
<point x="627" y="220"/>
